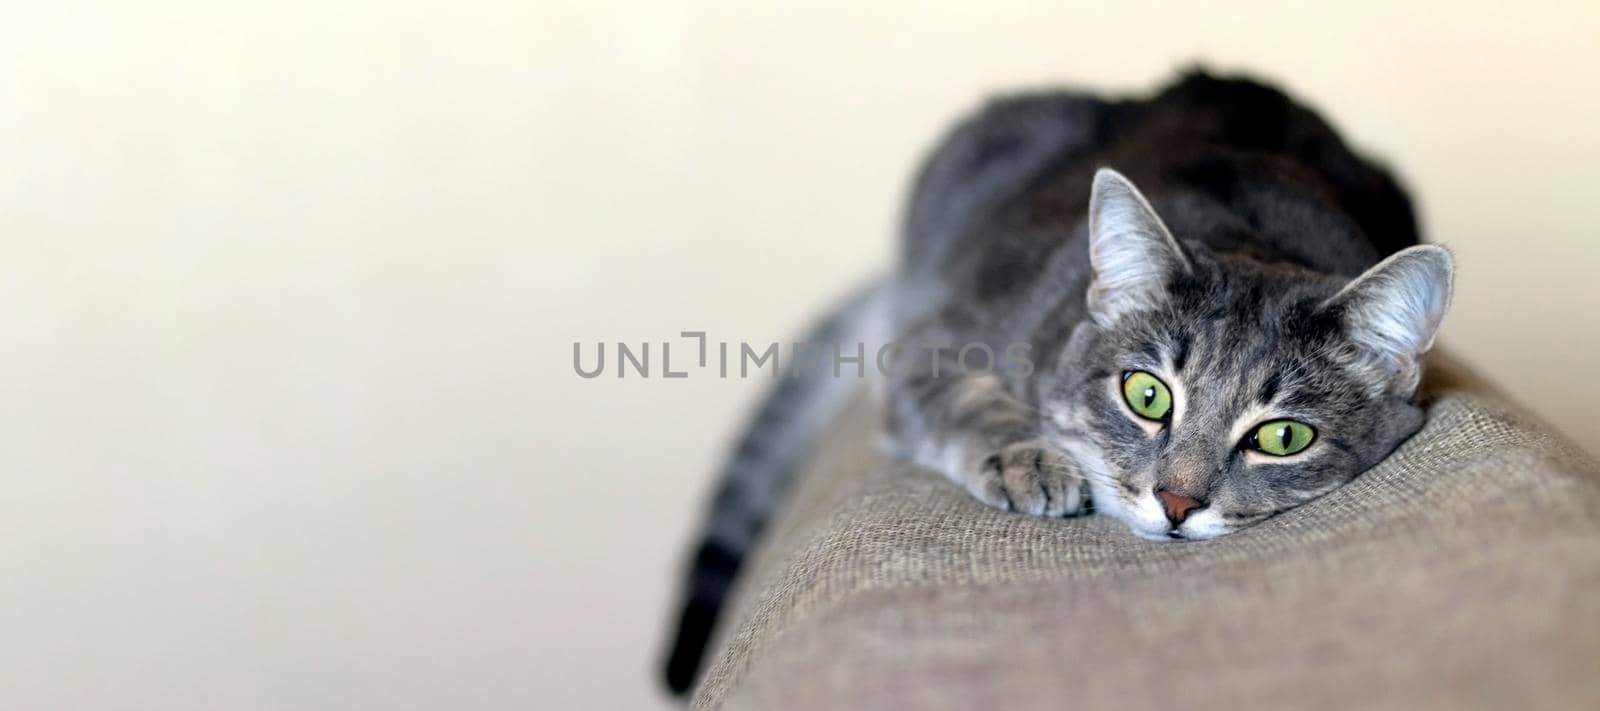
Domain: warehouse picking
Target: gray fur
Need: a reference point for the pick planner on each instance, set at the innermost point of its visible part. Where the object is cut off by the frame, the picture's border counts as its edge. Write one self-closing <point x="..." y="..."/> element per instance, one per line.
<point x="1243" y="270"/>
<point x="755" y="478"/>
<point x="1239" y="296"/>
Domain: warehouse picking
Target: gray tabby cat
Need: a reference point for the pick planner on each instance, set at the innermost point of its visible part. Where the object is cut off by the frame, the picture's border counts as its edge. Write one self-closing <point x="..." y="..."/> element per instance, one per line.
<point x="1240" y="336"/>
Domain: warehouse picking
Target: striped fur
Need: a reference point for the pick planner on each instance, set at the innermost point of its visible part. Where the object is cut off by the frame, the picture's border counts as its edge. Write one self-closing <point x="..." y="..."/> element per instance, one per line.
<point x="752" y="482"/>
<point x="1241" y="263"/>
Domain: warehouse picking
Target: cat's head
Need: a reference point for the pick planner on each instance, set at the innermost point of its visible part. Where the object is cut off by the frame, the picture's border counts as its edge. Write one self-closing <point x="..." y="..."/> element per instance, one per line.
<point x="1207" y="392"/>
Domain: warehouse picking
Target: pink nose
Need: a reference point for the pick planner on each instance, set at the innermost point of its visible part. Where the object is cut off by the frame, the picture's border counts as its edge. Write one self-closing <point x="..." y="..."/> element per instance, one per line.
<point x="1178" y="506"/>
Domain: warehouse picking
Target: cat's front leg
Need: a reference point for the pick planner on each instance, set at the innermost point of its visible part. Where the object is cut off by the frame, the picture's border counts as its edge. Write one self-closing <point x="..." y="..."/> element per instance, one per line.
<point x="980" y="436"/>
<point x="1030" y="477"/>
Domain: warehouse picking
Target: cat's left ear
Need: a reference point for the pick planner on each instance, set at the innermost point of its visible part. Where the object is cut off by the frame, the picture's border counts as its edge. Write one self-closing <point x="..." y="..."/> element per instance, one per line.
<point x="1394" y="310"/>
<point x="1132" y="252"/>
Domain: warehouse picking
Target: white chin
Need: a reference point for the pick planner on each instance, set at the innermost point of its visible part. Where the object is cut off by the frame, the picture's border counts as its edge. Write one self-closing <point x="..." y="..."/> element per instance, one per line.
<point x="1108" y="503"/>
<point x="1203" y="525"/>
<point x="1146" y="520"/>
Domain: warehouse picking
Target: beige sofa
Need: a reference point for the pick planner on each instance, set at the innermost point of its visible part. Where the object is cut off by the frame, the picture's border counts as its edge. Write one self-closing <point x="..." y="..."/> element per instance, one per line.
<point x="1463" y="572"/>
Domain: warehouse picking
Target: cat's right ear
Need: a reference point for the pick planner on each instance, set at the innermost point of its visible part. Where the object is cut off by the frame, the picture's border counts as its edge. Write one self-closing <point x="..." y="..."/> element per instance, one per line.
<point x="1393" y="311"/>
<point x="1131" y="250"/>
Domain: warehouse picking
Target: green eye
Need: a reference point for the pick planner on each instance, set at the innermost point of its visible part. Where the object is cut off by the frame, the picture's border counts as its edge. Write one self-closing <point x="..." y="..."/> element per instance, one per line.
<point x="1281" y="438"/>
<point x="1147" y="395"/>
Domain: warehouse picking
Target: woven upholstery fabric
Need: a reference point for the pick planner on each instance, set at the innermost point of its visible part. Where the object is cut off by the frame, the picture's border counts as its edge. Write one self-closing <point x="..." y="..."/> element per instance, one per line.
<point x="1463" y="572"/>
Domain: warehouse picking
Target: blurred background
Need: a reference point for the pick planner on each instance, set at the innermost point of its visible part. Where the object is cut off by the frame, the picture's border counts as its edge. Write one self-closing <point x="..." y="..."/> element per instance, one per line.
<point x="288" y="295"/>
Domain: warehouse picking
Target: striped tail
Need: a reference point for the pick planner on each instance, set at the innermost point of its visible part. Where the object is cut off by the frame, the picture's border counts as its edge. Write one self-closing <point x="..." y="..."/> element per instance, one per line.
<point x="753" y="481"/>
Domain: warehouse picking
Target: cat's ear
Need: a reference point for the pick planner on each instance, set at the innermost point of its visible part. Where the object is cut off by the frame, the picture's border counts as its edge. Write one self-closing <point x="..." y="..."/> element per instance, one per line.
<point x="1132" y="252"/>
<point x="1394" y="310"/>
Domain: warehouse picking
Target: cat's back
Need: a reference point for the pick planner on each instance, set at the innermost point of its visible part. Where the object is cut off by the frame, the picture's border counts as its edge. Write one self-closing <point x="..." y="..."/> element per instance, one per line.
<point x="1232" y="163"/>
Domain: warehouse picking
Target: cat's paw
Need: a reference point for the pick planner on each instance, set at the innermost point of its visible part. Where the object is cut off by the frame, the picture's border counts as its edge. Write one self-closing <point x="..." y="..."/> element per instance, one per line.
<point x="1031" y="478"/>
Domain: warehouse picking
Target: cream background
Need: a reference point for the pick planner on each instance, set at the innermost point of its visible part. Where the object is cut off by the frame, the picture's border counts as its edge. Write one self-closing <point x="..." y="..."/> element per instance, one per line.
<point x="288" y="296"/>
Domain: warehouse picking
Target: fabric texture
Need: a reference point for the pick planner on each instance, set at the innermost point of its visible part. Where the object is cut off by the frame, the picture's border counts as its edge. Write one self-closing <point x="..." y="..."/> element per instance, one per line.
<point x="1462" y="572"/>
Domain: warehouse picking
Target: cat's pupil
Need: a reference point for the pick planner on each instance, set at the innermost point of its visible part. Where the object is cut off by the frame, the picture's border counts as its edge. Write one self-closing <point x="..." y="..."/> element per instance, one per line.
<point x="1284" y="436"/>
<point x="1149" y="396"/>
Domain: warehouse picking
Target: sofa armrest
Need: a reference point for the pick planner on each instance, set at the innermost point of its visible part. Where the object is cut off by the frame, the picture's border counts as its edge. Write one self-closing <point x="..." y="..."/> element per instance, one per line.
<point x="1461" y="572"/>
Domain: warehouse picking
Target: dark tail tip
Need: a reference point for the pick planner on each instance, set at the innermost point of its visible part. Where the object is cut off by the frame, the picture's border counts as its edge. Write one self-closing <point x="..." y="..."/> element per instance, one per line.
<point x="709" y="580"/>
<point x="694" y="633"/>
